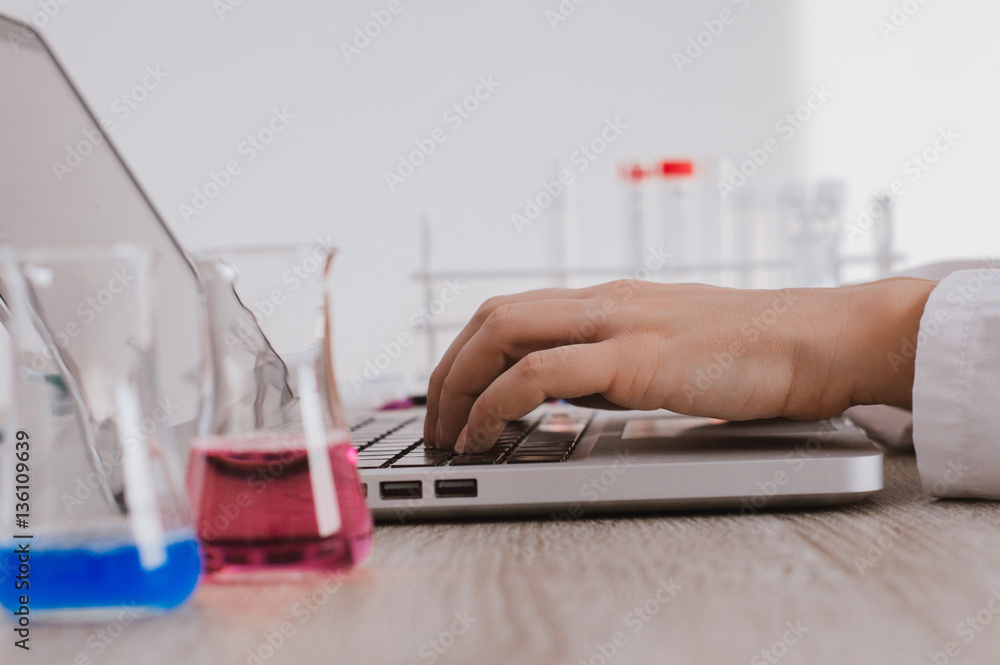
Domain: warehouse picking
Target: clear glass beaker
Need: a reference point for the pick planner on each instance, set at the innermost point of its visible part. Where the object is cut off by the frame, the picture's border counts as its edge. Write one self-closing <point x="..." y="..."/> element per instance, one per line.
<point x="814" y="218"/>
<point x="272" y="473"/>
<point x="93" y="513"/>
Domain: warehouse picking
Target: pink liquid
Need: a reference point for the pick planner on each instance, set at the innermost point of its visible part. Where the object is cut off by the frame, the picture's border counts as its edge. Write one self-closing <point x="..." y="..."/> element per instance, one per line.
<point x="255" y="513"/>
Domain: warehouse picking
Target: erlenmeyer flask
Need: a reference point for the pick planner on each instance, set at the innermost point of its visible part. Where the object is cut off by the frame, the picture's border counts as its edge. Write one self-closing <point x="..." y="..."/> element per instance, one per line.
<point x="91" y="485"/>
<point x="273" y="475"/>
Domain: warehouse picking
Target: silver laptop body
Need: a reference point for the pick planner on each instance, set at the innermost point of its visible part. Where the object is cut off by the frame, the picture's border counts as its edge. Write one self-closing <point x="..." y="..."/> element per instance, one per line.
<point x="564" y="462"/>
<point x="64" y="184"/>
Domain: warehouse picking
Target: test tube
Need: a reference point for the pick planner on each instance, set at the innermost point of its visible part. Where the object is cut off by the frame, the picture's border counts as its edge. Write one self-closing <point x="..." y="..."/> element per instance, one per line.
<point x="685" y="237"/>
<point x="638" y="217"/>
<point x="813" y="220"/>
<point x="883" y="237"/>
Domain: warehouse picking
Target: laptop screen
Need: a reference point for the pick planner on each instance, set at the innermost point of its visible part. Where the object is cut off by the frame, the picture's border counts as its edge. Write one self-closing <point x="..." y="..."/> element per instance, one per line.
<point x="62" y="183"/>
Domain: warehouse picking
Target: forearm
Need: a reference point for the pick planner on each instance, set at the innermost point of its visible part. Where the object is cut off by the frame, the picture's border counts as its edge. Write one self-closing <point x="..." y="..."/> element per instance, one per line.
<point x="806" y="354"/>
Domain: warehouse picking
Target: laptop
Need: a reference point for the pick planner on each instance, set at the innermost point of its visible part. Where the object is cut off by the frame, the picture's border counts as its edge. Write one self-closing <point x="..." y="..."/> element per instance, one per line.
<point x="567" y="462"/>
<point x="62" y="182"/>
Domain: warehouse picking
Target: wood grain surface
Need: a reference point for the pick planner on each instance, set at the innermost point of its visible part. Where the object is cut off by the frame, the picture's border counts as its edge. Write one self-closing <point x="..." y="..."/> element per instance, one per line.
<point x="897" y="578"/>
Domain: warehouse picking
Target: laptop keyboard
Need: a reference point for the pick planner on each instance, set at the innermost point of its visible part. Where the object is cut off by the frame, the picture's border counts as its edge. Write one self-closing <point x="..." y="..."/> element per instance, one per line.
<point x="392" y="441"/>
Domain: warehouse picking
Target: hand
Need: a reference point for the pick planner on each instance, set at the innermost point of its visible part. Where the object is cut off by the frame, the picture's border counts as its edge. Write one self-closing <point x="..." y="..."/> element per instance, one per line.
<point x="699" y="350"/>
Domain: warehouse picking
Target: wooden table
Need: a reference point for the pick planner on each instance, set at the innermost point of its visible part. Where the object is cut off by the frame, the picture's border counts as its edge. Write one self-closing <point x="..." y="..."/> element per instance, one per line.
<point x="887" y="580"/>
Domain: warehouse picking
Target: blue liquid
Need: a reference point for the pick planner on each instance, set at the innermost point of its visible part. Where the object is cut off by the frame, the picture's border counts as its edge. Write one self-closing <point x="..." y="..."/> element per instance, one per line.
<point x="100" y="574"/>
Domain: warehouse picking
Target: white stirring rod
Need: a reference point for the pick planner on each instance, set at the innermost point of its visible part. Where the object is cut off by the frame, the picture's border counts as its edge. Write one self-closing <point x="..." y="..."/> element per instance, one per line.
<point x="320" y="472"/>
<point x="140" y="489"/>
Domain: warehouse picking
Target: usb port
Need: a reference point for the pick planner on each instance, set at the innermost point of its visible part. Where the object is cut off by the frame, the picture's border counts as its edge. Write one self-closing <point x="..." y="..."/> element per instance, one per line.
<point x="401" y="489"/>
<point x="455" y="488"/>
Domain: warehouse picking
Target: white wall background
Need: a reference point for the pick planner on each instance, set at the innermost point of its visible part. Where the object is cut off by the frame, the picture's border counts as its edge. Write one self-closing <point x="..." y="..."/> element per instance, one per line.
<point x="324" y="174"/>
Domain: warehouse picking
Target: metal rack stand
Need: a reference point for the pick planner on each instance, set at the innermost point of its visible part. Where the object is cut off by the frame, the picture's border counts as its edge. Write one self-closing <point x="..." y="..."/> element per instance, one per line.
<point x="882" y="262"/>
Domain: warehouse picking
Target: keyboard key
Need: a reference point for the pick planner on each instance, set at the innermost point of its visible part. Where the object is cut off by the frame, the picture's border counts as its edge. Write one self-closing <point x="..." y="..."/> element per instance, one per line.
<point x="526" y="459"/>
<point x="489" y="457"/>
<point x="551" y="437"/>
<point x="434" y="452"/>
<point x="418" y="458"/>
<point x="370" y="464"/>
<point x="543" y="450"/>
<point x="565" y="441"/>
<point x="561" y="427"/>
<point x="409" y="462"/>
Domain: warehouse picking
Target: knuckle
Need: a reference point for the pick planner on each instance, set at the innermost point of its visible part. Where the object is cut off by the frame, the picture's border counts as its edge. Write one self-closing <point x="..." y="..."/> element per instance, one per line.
<point x="498" y="322"/>
<point x="627" y="284"/>
<point x="437" y="379"/>
<point x="488" y="306"/>
<point x="533" y="365"/>
<point x="448" y="385"/>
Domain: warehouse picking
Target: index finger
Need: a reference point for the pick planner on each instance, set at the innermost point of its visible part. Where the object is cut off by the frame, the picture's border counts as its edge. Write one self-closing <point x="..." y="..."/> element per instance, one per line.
<point x="470" y="329"/>
<point x="565" y="372"/>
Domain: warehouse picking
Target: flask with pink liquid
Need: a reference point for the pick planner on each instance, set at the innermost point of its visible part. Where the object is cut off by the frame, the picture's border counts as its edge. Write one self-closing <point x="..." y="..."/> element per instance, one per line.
<point x="272" y="473"/>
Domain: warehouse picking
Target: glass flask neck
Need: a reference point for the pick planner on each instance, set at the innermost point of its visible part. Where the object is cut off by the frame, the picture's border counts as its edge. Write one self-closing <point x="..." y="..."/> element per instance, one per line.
<point x="268" y="342"/>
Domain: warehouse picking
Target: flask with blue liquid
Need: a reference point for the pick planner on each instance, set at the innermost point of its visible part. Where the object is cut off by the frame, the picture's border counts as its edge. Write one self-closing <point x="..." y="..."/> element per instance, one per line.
<point x="93" y="510"/>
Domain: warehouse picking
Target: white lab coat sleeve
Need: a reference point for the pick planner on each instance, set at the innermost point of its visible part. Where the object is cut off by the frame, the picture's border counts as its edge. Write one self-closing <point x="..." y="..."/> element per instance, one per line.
<point x="956" y="387"/>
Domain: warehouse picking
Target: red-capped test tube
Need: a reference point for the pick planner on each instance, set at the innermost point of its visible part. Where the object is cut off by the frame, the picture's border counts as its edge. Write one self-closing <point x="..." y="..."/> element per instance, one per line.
<point x="639" y="219"/>
<point x="680" y="231"/>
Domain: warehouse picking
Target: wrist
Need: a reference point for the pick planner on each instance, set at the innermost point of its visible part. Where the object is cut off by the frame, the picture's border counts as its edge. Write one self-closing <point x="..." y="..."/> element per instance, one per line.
<point x="882" y="331"/>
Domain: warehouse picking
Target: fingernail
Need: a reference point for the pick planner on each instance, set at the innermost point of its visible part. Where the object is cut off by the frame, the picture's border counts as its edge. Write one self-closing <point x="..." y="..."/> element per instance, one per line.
<point x="438" y="439"/>
<point x="460" y="444"/>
